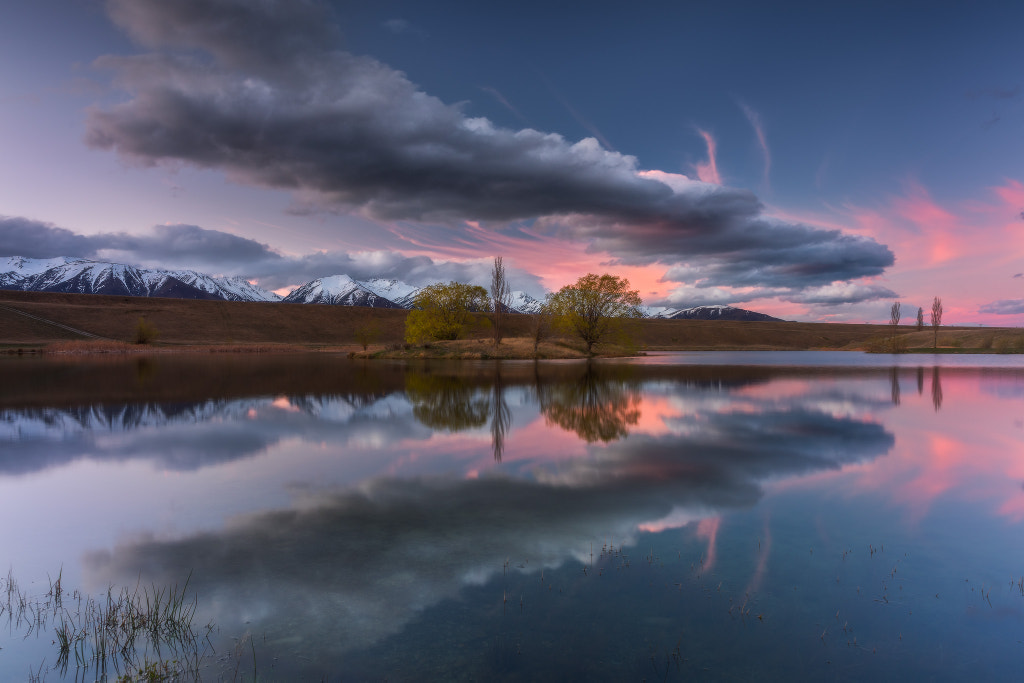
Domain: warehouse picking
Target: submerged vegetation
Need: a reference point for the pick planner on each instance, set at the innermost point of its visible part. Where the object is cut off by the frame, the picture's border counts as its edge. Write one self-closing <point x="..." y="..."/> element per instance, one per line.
<point x="148" y="630"/>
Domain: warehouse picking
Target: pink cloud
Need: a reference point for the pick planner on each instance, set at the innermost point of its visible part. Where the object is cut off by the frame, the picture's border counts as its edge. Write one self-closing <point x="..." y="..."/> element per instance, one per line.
<point x="1012" y="194"/>
<point x="965" y="252"/>
<point x="708" y="171"/>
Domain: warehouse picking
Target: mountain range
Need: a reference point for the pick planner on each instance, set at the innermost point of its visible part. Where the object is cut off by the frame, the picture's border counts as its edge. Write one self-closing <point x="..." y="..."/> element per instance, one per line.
<point x="84" y="276"/>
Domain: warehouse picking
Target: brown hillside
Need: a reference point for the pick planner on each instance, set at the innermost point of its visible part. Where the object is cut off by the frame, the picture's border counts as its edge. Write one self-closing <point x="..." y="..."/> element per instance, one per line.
<point x="182" y="321"/>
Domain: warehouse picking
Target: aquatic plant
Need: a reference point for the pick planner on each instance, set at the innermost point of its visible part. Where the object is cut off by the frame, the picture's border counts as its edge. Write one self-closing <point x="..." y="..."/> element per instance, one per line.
<point x="130" y="630"/>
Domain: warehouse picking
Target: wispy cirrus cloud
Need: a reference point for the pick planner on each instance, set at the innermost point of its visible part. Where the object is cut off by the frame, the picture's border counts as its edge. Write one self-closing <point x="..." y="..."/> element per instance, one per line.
<point x="707" y="171"/>
<point x="762" y="140"/>
<point x="261" y="93"/>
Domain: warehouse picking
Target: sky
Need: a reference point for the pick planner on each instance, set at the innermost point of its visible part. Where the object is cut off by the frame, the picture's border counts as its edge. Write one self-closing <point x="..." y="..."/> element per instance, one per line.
<point x="814" y="161"/>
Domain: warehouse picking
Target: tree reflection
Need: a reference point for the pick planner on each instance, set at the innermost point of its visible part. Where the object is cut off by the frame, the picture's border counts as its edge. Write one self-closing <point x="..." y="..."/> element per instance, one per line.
<point x="454" y="404"/>
<point x="446" y="402"/>
<point x="894" y="380"/>
<point x="597" y="404"/>
<point x="596" y="408"/>
<point x="501" y="416"/>
<point x="936" y="388"/>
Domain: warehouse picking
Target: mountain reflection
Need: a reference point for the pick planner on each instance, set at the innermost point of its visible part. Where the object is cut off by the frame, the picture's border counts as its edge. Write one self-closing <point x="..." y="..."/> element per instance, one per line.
<point x="186" y="414"/>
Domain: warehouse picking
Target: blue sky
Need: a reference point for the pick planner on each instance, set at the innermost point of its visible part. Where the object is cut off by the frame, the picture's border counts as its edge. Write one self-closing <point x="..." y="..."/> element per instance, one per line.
<point x="812" y="160"/>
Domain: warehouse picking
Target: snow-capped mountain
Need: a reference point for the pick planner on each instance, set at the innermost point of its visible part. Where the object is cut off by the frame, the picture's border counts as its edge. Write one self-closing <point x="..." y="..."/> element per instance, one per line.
<point x="339" y="290"/>
<point x="342" y="290"/>
<point x="231" y="288"/>
<point x="705" y="313"/>
<point x="521" y="302"/>
<point x="395" y="291"/>
<point x="84" y="276"/>
<point x="67" y="274"/>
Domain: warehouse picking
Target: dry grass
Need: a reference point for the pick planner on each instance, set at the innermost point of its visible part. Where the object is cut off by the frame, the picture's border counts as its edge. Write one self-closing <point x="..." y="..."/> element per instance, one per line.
<point x="238" y="327"/>
<point x="511" y="348"/>
<point x="83" y="346"/>
<point x="950" y="340"/>
<point x="89" y="346"/>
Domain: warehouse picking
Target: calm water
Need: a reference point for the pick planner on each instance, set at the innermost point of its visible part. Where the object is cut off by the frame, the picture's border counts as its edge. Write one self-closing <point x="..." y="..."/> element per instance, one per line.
<point x="711" y="516"/>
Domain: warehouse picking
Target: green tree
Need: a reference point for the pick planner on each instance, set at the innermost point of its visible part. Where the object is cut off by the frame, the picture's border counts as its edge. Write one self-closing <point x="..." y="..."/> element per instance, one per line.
<point x="444" y="311"/>
<point x="595" y="308"/>
<point x="920" y="319"/>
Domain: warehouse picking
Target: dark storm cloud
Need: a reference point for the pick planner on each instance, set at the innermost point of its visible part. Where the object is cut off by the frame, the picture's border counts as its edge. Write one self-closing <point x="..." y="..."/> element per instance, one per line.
<point x="349" y="132"/>
<point x="1004" y="307"/>
<point x="193" y="244"/>
<point x="36" y="239"/>
<point x="251" y="34"/>
<point x="165" y="243"/>
<point x="413" y="270"/>
<point x="844" y="293"/>
<point x="714" y="284"/>
<point x="222" y="253"/>
<point x="743" y="249"/>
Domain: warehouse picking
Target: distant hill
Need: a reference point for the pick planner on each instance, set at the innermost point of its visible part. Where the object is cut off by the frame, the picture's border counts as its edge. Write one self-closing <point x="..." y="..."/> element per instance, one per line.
<point x="711" y="313"/>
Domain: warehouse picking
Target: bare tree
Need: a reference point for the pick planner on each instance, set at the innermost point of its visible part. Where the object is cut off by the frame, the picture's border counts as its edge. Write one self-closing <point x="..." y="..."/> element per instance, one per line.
<point x="367" y="333"/>
<point x="894" y="320"/>
<point x="540" y="328"/>
<point x="499" y="298"/>
<point x="936" y="320"/>
<point x="920" y="318"/>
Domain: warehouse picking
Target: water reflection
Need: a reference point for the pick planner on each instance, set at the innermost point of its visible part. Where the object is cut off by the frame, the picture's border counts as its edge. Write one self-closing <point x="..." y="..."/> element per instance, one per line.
<point x="598" y="405"/>
<point x="501" y="416"/>
<point x="331" y="504"/>
<point x="355" y="564"/>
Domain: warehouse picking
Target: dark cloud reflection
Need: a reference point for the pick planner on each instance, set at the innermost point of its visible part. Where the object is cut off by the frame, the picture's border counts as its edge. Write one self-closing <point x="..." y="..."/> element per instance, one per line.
<point x="349" y="566"/>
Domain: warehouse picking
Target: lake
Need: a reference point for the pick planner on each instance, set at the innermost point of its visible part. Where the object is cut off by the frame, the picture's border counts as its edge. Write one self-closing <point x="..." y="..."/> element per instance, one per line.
<point x="683" y="516"/>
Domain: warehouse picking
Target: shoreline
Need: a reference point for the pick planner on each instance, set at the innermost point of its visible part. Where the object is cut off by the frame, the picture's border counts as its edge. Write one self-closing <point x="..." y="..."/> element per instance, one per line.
<point x="465" y="349"/>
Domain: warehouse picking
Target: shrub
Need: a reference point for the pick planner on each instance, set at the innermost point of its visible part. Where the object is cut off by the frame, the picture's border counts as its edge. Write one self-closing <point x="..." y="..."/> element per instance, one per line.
<point x="145" y="332"/>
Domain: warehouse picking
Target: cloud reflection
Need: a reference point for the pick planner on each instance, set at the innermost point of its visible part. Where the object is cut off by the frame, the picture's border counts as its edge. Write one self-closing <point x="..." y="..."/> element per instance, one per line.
<point x="352" y="565"/>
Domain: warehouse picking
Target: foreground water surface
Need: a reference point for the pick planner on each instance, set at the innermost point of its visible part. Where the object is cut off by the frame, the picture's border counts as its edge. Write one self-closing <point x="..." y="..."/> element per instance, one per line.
<point x="679" y="516"/>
